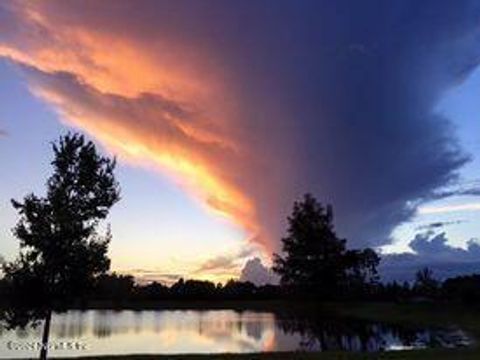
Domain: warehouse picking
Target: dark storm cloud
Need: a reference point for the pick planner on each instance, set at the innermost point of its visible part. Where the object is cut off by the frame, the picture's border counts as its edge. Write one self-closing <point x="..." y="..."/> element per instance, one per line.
<point x="350" y="87"/>
<point x="330" y="97"/>
<point x="370" y="141"/>
<point x="431" y="250"/>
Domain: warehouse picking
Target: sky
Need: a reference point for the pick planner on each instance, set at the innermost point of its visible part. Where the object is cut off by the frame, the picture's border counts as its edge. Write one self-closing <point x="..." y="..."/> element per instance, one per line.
<point x="223" y="113"/>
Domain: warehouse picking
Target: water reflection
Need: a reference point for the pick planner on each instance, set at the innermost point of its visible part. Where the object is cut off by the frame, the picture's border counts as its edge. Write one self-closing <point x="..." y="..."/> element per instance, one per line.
<point x="127" y="332"/>
<point x="330" y="334"/>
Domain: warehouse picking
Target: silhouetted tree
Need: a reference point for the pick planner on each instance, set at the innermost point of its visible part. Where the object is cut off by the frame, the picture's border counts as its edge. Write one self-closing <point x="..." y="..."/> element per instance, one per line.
<point x="193" y="289"/>
<point x="463" y="288"/>
<point x="315" y="259"/>
<point x="312" y="249"/>
<point x="425" y="283"/>
<point x="361" y="272"/>
<point x="238" y="290"/>
<point x="115" y="288"/>
<point x="393" y="291"/>
<point x="61" y="250"/>
<point x="153" y="291"/>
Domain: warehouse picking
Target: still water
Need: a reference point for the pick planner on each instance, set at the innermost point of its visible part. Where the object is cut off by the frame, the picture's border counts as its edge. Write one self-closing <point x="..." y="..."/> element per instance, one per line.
<point x="100" y="332"/>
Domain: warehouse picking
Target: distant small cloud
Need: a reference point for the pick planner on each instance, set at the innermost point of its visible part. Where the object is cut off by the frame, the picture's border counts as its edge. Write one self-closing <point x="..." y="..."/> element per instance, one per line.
<point x="3" y="133"/>
<point x="257" y="273"/>
<point x="438" y="225"/>
<point x="145" y="276"/>
<point x="225" y="262"/>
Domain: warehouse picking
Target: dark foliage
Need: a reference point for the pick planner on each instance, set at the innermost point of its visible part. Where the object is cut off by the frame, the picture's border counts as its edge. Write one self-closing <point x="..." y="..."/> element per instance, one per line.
<point x="316" y="261"/>
<point x="119" y="287"/>
<point x="193" y="289"/>
<point x="119" y="290"/>
<point x="61" y="251"/>
<point x="462" y="288"/>
<point x="425" y="284"/>
<point x="393" y="291"/>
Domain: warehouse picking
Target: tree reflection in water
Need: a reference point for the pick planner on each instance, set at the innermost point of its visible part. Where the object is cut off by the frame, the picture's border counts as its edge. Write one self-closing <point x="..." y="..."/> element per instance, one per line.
<point x="321" y="332"/>
<point x="205" y="331"/>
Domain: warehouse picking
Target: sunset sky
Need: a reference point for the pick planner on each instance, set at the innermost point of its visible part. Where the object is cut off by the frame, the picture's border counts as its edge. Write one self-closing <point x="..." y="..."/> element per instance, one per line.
<point x="223" y="113"/>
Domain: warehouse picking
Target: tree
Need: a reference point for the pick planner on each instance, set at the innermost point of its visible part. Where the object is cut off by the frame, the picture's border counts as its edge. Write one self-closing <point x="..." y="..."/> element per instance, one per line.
<point x="114" y="288"/>
<point x="425" y="283"/>
<point x="315" y="259"/>
<point x="61" y="249"/>
<point x="193" y="289"/>
<point x="361" y="271"/>
<point x="465" y="288"/>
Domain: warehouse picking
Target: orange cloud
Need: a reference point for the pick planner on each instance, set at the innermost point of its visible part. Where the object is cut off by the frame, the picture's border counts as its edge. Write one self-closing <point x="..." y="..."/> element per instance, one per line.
<point x="160" y="103"/>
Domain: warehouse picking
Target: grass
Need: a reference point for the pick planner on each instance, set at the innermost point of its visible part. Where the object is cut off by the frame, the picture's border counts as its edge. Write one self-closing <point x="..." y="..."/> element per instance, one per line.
<point x="464" y="354"/>
<point x="468" y="319"/>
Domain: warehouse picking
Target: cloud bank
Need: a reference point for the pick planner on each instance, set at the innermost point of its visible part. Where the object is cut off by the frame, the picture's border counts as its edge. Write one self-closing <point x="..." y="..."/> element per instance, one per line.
<point x="433" y="251"/>
<point x="248" y="105"/>
<point x="254" y="271"/>
<point x="225" y="266"/>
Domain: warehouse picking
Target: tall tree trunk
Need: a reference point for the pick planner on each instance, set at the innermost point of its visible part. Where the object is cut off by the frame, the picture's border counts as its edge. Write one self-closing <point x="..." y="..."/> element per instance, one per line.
<point x="46" y="333"/>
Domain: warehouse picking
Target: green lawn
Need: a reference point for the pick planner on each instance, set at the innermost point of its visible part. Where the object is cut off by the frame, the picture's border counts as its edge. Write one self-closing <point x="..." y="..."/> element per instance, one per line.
<point x="421" y="314"/>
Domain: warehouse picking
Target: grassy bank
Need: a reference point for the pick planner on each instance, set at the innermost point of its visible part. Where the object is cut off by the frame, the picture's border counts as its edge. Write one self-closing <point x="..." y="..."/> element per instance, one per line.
<point x="463" y="354"/>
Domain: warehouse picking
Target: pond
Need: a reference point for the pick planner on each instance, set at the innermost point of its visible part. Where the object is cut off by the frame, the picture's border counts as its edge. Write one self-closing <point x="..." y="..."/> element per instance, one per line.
<point x="102" y="332"/>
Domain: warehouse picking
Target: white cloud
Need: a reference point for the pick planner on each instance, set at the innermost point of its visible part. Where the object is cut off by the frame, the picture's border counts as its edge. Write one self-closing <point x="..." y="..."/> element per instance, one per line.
<point x="424" y="210"/>
<point x="257" y="273"/>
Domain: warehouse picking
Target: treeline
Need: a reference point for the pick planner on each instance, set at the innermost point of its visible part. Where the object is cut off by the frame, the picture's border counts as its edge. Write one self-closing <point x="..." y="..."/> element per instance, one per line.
<point x="464" y="288"/>
<point x="122" y="290"/>
<point x="118" y="288"/>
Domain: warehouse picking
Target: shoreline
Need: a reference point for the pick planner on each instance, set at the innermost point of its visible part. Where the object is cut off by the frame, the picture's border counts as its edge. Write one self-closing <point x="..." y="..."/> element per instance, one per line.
<point x="427" y="354"/>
